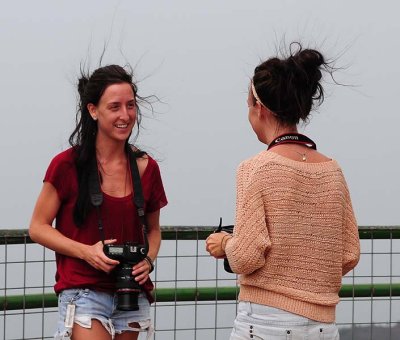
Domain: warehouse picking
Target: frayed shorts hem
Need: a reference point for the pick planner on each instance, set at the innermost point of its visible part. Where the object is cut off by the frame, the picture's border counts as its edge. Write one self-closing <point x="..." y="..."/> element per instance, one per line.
<point x="93" y="305"/>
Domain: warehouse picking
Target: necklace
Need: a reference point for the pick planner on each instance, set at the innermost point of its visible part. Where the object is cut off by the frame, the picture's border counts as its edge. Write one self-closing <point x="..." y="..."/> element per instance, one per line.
<point x="117" y="182"/>
<point x="294" y="138"/>
<point x="303" y="155"/>
<point x="103" y="170"/>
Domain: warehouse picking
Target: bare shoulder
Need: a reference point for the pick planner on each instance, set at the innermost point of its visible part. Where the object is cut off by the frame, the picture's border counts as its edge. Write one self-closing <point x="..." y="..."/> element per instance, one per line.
<point x="141" y="161"/>
<point x="144" y="159"/>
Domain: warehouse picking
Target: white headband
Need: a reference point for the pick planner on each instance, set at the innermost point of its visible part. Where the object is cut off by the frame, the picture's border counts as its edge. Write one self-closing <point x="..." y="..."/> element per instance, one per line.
<point x="253" y="90"/>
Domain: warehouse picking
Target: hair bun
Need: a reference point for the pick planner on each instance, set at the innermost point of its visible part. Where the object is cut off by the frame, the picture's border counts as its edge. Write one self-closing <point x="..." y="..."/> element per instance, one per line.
<point x="309" y="58"/>
<point x="308" y="62"/>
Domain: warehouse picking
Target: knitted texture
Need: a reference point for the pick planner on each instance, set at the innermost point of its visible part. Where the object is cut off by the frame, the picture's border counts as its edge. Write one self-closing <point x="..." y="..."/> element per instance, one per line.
<point x="295" y="234"/>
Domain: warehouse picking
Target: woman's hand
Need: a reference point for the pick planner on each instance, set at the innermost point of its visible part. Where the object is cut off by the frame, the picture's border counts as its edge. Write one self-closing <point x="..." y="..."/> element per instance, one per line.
<point x="94" y="255"/>
<point x="141" y="271"/>
<point x="214" y="244"/>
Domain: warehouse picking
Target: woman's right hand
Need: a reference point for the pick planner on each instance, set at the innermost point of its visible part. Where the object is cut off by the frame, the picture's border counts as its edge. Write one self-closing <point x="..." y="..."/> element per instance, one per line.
<point x="215" y="243"/>
<point x="94" y="255"/>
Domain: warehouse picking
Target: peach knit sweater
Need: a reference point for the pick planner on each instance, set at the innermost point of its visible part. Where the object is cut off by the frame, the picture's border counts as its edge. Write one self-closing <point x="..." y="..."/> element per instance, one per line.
<point x="295" y="234"/>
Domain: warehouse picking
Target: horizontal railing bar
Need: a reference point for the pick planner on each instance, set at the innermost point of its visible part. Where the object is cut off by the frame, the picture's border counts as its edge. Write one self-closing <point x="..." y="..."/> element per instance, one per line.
<point x="30" y="301"/>
<point x="370" y="290"/>
<point x="21" y="236"/>
<point x="210" y="280"/>
<point x="14" y="236"/>
<point x="181" y="256"/>
<point x="379" y="232"/>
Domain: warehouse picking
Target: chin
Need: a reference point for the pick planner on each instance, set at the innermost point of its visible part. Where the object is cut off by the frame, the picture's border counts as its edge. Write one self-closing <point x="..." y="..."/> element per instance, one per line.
<point x="120" y="139"/>
<point x="122" y="135"/>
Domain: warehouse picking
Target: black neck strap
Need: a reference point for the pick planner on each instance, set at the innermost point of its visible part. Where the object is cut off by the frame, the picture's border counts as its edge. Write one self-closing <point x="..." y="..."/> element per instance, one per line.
<point x="96" y="195"/>
<point x="293" y="138"/>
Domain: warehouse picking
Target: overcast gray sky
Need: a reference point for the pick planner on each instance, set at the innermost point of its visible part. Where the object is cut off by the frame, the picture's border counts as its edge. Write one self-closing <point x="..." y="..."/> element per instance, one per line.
<point x="197" y="57"/>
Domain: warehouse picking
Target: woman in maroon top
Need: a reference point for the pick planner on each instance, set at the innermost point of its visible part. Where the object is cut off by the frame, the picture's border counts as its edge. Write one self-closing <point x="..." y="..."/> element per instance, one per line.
<point x="85" y="280"/>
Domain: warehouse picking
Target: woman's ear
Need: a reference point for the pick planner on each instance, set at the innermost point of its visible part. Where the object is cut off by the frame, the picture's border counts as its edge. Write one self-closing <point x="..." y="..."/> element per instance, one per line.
<point x="92" y="110"/>
<point x="261" y="111"/>
<point x="267" y="113"/>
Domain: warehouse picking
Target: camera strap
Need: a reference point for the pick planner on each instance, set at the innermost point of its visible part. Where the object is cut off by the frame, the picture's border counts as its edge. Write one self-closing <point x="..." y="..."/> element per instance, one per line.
<point x="293" y="138"/>
<point x="226" y="228"/>
<point x="96" y="195"/>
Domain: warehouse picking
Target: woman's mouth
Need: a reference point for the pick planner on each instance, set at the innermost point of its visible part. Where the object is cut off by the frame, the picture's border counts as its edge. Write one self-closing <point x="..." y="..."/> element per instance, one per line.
<point x="121" y="126"/>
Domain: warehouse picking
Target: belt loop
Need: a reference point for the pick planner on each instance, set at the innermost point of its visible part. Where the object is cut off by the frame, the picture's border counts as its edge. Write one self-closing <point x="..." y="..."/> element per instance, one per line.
<point x="249" y="308"/>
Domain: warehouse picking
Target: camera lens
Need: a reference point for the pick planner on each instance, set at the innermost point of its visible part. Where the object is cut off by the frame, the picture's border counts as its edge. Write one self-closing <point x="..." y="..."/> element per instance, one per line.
<point x="127" y="288"/>
<point x="127" y="299"/>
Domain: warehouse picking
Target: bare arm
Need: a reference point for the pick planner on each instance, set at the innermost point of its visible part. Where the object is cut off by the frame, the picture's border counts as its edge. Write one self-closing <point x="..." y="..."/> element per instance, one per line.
<point x="42" y="232"/>
<point x="141" y="270"/>
<point x="154" y="233"/>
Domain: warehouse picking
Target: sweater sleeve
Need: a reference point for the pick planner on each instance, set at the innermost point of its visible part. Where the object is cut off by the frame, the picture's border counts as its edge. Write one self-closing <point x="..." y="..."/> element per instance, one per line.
<point x="351" y="241"/>
<point x="247" y="248"/>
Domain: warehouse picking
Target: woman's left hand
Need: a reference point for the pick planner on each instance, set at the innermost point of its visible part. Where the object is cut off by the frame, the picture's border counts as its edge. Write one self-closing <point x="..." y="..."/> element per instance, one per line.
<point x="141" y="271"/>
<point x="214" y="244"/>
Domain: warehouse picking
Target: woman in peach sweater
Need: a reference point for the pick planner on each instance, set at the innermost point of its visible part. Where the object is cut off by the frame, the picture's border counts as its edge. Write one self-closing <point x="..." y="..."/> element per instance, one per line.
<point x="295" y="233"/>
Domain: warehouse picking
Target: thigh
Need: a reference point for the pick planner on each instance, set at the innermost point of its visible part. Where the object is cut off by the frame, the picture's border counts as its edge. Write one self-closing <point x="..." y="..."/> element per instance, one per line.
<point x="128" y="324"/>
<point x="82" y="311"/>
<point x="96" y="331"/>
<point x="127" y="336"/>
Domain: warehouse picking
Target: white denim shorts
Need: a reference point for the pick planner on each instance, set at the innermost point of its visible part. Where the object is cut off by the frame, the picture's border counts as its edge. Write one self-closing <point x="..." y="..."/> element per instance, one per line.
<point x="260" y="322"/>
<point x="90" y="304"/>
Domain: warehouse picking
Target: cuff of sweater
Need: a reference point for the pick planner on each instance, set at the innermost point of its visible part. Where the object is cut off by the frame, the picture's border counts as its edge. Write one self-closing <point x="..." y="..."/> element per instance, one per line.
<point x="225" y="240"/>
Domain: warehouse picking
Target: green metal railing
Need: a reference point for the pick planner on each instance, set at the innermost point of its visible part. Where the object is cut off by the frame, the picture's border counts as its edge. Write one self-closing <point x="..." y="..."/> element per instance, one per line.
<point x="214" y="291"/>
<point x="47" y="300"/>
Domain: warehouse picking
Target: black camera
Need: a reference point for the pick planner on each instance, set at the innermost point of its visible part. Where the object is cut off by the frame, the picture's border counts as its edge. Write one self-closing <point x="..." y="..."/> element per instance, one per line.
<point x="127" y="289"/>
<point x="227" y="229"/>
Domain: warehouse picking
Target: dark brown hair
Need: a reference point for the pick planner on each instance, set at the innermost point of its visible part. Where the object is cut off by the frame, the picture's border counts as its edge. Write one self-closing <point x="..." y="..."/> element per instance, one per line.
<point x="83" y="138"/>
<point x="291" y="86"/>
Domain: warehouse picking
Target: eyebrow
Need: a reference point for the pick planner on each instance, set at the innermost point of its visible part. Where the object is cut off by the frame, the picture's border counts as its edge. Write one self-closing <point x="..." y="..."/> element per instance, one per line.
<point x="118" y="102"/>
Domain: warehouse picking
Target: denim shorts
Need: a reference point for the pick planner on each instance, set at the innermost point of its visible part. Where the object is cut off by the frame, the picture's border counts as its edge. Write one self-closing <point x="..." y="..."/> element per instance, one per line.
<point x="260" y="322"/>
<point x="91" y="304"/>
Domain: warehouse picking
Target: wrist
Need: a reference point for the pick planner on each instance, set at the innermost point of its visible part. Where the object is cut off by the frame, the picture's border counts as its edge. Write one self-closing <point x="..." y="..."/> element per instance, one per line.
<point x="82" y="251"/>
<point x="224" y="241"/>
<point x="150" y="263"/>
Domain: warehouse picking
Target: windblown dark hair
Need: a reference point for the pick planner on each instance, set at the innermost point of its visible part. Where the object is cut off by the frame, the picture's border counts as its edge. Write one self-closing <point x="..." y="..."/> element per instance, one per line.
<point x="291" y="87"/>
<point x="83" y="138"/>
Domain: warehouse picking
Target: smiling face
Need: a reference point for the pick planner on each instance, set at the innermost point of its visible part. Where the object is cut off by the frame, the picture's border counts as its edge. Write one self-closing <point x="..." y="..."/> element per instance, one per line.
<point x="115" y="113"/>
